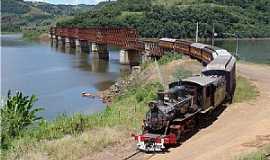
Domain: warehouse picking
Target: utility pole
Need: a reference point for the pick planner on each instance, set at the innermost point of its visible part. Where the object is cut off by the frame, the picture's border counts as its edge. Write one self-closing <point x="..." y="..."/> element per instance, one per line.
<point x="197" y="32"/>
<point x="213" y="34"/>
<point x="236" y="49"/>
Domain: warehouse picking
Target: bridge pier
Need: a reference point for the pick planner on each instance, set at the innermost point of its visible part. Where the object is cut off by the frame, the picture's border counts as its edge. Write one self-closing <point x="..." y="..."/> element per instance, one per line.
<point x="130" y="57"/>
<point x="100" y="51"/>
<point x="54" y="41"/>
<point x="67" y="42"/>
<point x="60" y="41"/>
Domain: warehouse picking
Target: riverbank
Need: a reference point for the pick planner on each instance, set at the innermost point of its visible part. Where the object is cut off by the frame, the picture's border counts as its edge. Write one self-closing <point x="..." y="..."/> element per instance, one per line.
<point x="36" y="35"/>
<point x="78" y="136"/>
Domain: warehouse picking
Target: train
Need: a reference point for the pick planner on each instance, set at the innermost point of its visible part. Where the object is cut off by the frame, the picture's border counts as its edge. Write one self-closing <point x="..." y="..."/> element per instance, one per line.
<point x="177" y="111"/>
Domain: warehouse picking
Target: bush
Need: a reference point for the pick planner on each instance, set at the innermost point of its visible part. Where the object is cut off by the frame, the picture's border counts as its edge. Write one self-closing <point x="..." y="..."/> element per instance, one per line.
<point x="17" y="114"/>
<point x="168" y="57"/>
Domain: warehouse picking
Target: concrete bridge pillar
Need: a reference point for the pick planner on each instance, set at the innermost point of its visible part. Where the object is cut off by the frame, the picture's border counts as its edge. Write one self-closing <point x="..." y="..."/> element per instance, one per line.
<point x="67" y="42"/>
<point x="54" y="41"/>
<point x="61" y="41"/>
<point x="100" y="51"/>
<point x="77" y="43"/>
<point x="130" y="57"/>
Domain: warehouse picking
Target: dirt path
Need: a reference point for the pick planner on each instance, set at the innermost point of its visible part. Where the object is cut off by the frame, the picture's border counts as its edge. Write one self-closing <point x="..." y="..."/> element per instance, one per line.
<point x="240" y="128"/>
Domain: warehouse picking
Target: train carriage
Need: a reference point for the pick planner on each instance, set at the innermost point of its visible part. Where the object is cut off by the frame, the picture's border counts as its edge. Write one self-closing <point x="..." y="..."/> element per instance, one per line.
<point x="207" y="55"/>
<point x="182" y="46"/>
<point x="196" y="50"/>
<point x="167" y="44"/>
<point x="223" y="65"/>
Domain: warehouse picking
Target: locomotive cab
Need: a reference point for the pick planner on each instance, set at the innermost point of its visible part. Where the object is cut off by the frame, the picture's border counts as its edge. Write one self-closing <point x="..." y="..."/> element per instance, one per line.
<point x="210" y="90"/>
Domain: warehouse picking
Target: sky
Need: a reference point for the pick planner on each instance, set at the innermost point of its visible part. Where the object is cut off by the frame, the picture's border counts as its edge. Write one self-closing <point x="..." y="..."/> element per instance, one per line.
<point x="73" y="2"/>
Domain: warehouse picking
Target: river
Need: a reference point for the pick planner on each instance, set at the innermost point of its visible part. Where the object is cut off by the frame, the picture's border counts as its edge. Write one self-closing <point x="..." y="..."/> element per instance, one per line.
<point x="257" y="51"/>
<point x="55" y="77"/>
<point x="58" y="78"/>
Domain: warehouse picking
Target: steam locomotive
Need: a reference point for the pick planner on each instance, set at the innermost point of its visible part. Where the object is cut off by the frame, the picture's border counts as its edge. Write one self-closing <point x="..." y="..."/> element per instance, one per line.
<point x="176" y="111"/>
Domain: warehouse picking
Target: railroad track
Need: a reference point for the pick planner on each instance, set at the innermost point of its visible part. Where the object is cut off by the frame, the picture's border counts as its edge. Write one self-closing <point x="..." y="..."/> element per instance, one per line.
<point x="137" y="155"/>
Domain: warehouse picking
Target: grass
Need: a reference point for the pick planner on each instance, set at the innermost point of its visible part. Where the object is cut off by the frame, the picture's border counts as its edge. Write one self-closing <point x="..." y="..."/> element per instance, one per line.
<point x="31" y="35"/>
<point x="257" y="155"/>
<point x="181" y="73"/>
<point x="254" y="156"/>
<point x="127" y="110"/>
<point x="245" y="90"/>
<point x="69" y="147"/>
<point x="168" y="57"/>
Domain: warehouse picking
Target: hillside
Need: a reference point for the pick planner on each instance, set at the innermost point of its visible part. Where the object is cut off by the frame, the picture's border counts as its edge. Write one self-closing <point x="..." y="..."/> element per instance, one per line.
<point x="17" y="14"/>
<point x="177" y="18"/>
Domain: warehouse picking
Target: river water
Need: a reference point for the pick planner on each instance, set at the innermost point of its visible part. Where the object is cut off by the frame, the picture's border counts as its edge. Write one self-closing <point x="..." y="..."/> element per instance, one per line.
<point x="58" y="77"/>
<point x="55" y="77"/>
<point x="257" y="51"/>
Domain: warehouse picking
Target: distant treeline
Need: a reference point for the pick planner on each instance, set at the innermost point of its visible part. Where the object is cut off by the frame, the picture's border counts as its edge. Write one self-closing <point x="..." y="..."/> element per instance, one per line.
<point x="17" y="14"/>
<point x="178" y="18"/>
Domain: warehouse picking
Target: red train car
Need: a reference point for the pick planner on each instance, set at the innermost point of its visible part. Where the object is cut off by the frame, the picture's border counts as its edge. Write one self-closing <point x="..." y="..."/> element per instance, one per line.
<point x="167" y="44"/>
<point x="182" y="46"/>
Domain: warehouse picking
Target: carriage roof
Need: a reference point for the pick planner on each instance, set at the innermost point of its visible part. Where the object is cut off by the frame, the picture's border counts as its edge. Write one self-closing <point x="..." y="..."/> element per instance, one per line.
<point x="201" y="80"/>
<point x="167" y="39"/>
<point x="199" y="45"/>
<point x="221" y="62"/>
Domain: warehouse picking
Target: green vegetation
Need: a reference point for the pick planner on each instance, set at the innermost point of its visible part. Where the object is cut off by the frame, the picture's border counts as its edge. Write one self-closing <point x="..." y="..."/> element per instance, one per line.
<point x="16" y="115"/>
<point x="168" y="57"/>
<point x="244" y="90"/>
<point x="254" y="156"/>
<point x="126" y="110"/>
<point x="177" y="18"/>
<point x="19" y="14"/>
<point x="32" y="34"/>
<point x="258" y="155"/>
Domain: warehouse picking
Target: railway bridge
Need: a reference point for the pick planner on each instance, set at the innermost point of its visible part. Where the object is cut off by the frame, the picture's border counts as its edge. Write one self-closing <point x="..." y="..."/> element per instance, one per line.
<point x="97" y="39"/>
<point x="133" y="49"/>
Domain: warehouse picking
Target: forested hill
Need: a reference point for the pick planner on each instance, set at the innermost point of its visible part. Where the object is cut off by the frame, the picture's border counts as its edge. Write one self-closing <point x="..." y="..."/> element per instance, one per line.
<point x="177" y="18"/>
<point x="18" y="13"/>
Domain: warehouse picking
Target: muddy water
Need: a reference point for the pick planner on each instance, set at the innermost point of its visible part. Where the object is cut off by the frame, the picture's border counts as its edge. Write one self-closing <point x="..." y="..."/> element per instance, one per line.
<point x="56" y="76"/>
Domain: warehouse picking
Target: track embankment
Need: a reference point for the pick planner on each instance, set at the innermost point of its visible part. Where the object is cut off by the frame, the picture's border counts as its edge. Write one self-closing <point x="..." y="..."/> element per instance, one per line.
<point x="241" y="128"/>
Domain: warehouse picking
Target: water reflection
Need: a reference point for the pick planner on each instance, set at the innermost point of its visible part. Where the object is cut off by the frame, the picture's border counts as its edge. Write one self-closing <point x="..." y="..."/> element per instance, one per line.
<point x="257" y="51"/>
